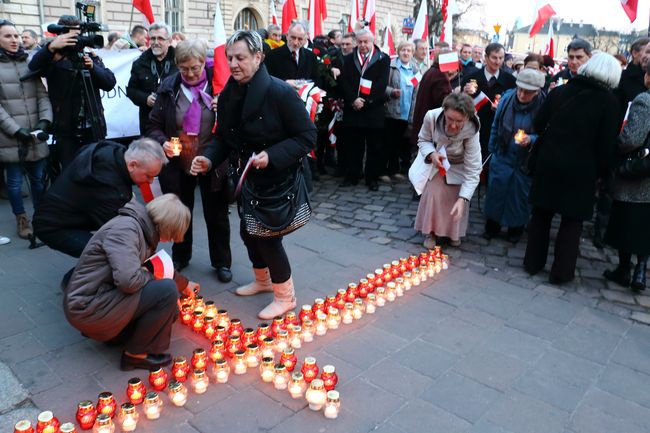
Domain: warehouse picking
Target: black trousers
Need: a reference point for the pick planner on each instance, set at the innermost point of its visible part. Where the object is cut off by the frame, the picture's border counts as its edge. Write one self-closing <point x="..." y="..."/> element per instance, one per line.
<point x="68" y="241"/>
<point x="359" y="141"/>
<point x="150" y="329"/>
<point x="267" y="253"/>
<point x="215" y="212"/>
<point x="566" y="244"/>
<point x="396" y="146"/>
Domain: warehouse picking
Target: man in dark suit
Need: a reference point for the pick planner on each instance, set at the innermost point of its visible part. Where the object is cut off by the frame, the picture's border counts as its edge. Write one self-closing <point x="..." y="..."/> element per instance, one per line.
<point x="363" y="82"/>
<point x="578" y="53"/>
<point x="293" y="61"/>
<point x="492" y="81"/>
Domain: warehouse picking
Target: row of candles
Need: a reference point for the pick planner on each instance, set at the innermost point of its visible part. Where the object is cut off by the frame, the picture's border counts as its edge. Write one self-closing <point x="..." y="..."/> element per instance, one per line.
<point x="228" y="338"/>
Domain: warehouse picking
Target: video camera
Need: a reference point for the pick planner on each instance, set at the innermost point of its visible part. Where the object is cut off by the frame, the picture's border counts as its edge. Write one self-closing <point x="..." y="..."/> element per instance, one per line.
<point x="88" y="28"/>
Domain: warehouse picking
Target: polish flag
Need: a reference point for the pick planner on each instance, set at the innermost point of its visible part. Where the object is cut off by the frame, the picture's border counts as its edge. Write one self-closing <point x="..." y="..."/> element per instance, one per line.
<point x="421" y="28"/>
<point x="369" y="15"/>
<point x="365" y="86"/>
<point x="543" y="14"/>
<point x="448" y="62"/>
<point x="274" y="14"/>
<point x="446" y="33"/>
<point x="630" y="8"/>
<point x="144" y="6"/>
<point x="330" y="131"/>
<point x="160" y="265"/>
<point x="151" y="190"/>
<point x="317" y="13"/>
<point x="550" y="45"/>
<point x="288" y="14"/>
<point x="354" y="15"/>
<point x="388" y="46"/>
<point x="221" y="71"/>
<point x="480" y="100"/>
<point x="627" y="113"/>
<point x="415" y="80"/>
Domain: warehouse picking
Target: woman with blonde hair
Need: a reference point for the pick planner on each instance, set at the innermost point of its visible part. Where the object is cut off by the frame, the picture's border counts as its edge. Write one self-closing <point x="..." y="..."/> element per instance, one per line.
<point x="112" y="295"/>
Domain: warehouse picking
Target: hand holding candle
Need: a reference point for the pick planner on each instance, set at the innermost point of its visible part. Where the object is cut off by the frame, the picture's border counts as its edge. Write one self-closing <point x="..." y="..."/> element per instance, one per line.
<point x="521" y="138"/>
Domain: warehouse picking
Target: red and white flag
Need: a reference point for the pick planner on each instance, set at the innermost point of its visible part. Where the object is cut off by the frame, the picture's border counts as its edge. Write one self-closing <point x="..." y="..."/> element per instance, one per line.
<point x="448" y="62"/>
<point x="288" y="14"/>
<point x="221" y="69"/>
<point x="421" y="28"/>
<point x="160" y="265"/>
<point x="354" y="15"/>
<point x="480" y="100"/>
<point x="388" y="46"/>
<point x="369" y="15"/>
<point x="312" y="96"/>
<point x="365" y="86"/>
<point x="144" y="6"/>
<point x="627" y="113"/>
<point x="550" y="45"/>
<point x="543" y="14"/>
<point x="317" y="13"/>
<point x="330" y="131"/>
<point x="415" y="80"/>
<point x="274" y="14"/>
<point x="630" y="7"/>
<point x="151" y="190"/>
<point x="446" y="33"/>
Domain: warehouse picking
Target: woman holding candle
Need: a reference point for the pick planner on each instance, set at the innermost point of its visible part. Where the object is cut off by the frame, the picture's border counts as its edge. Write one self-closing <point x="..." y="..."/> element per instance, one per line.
<point x="511" y="141"/>
<point x="262" y="120"/>
<point x="184" y="112"/>
<point x="112" y="297"/>
<point x="452" y="130"/>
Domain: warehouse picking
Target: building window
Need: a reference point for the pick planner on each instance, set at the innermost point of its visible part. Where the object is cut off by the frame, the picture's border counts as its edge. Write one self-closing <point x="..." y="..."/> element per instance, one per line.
<point x="305" y="14"/>
<point x="246" y="20"/>
<point x="343" y="23"/>
<point x="174" y="14"/>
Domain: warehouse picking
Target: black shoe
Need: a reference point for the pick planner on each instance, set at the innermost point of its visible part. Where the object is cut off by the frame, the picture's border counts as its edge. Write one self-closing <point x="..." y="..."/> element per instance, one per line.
<point x="224" y="274"/>
<point x="638" y="278"/>
<point x="373" y="186"/>
<point x="553" y="279"/>
<point x="619" y="276"/>
<point x="151" y="362"/>
<point x="179" y="266"/>
<point x="347" y="182"/>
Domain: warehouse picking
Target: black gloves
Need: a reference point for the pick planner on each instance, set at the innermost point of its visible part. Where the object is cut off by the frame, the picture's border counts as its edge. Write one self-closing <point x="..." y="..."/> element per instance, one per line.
<point x="43" y="125"/>
<point x="23" y="135"/>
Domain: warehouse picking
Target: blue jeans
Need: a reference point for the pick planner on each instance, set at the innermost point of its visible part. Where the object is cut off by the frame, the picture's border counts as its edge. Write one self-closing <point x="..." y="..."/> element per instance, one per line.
<point x="35" y="172"/>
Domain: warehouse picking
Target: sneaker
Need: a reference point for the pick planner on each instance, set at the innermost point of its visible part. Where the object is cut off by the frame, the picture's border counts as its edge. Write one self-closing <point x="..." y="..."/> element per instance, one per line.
<point x="384" y="179"/>
<point x="398" y="177"/>
<point x="429" y="242"/>
<point x="4" y="240"/>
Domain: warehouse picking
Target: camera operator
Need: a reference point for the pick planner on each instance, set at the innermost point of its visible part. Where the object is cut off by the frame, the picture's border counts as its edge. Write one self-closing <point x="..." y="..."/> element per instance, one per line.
<point x="61" y="62"/>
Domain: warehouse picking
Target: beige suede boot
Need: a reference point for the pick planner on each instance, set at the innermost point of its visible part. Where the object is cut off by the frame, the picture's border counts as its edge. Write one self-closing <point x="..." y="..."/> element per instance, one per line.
<point x="261" y="284"/>
<point x="284" y="300"/>
<point x="24" y="227"/>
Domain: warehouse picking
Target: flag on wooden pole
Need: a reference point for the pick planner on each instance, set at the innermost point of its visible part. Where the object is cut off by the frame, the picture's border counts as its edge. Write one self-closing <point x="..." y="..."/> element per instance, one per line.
<point x="388" y="46"/>
<point x="421" y="28"/>
<point x="220" y="69"/>
<point x="369" y="15"/>
<point x="274" y="14"/>
<point x="354" y="15"/>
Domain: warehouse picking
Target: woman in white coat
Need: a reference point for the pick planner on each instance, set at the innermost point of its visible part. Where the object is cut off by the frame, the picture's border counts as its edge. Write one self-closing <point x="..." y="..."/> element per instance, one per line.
<point x="449" y="141"/>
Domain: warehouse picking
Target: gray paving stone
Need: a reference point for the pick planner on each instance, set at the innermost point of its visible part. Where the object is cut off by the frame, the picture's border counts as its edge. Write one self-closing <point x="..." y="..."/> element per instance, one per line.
<point x="484" y="426"/>
<point x="587" y="342"/>
<point x="11" y="391"/>
<point x="425" y="358"/>
<point x="568" y="367"/>
<point x="309" y="421"/>
<point x="518" y="413"/>
<point x="396" y="378"/>
<point x="491" y="368"/>
<point x="9" y="419"/>
<point x="35" y="375"/>
<point x="641" y="317"/>
<point x="517" y="344"/>
<point x="496" y="305"/>
<point x="615" y="296"/>
<point x="599" y="320"/>
<point x="535" y="325"/>
<point x="590" y="420"/>
<point x="627" y="383"/>
<point x="384" y="403"/>
<point x="552" y="389"/>
<point x="419" y="416"/>
<point x="20" y="347"/>
<point x="478" y="318"/>
<point x="618" y="407"/>
<point x="634" y="350"/>
<point x="461" y="396"/>
<point x="456" y="335"/>
<point x="552" y="308"/>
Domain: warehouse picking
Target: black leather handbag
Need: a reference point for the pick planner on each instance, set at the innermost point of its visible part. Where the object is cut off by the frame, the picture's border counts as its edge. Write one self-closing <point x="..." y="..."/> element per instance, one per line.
<point x="275" y="210"/>
<point x="637" y="164"/>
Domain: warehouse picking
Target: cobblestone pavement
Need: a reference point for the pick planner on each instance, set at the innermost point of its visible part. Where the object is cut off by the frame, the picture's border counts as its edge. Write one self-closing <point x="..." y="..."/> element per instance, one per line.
<point x="386" y="217"/>
<point x="477" y="350"/>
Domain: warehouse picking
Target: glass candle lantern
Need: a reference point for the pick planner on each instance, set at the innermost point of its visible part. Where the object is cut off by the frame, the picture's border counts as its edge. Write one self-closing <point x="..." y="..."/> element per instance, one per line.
<point x="253" y="355"/>
<point x="177" y="393"/>
<point x="223" y="319"/>
<point x="329" y="377"/>
<point x="399" y="286"/>
<point x="86" y="414"/>
<point x="233" y="345"/>
<point x="217" y="350"/>
<point x="104" y="424"/>
<point x="330" y="302"/>
<point x="68" y="427"/>
<point x="186" y="314"/>
<point x="263" y="331"/>
<point x="318" y="307"/>
<point x="316" y="395"/>
<point x="209" y="328"/>
<point x="268" y="347"/>
<point x="306" y="313"/>
<point x="380" y="295"/>
<point x="370" y="303"/>
<point x="277" y="325"/>
<point x="391" y="295"/>
<point x="47" y="423"/>
<point x="412" y="262"/>
<point x="281" y="378"/>
<point x="379" y="277"/>
<point x="431" y="269"/>
<point x="197" y="322"/>
<point x="180" y="369"/>
<point x="220" y="333"/>
<point x="239" y="364"/>
<point x="423" y="259"/>
<point x="200" y="381"/>
<point x="395" y="269"/>
<point x="437" y="266"/>
<point x="332" y="405"/>
<point x="210" y="309"/>
<point x="423" y="273"/>
<point x="351" y="293"/>
<point x="199" y="304"/>
<point x="445" y="262"/>
<point x="294" y="337"/>
<point x="248" y="337"/>
<point x="308" y="329"/>
<point x="23" y="426"/>
<point x="128" y="417"/>
<point x="282" y="340"/>
<point x="267" y="369"/>
<point x="288" y="359"/>
<point x="347" y="316"/>
<point x="333" y="318"/>
<point x="359" y="309"/>
<point x="387" y="275"/>
<point x="177" y="147"/>
<point x="363" y="288"/>
<point x="221" y="371"/>
<point x="291" y="319"/>
<point x="309" y="369"/>
<point x="297" y="384"/>
<point x="340" y="298"/>
<point x="152" y="405"/>
<point x="408" y="280"/>
<point x="437" y="251"/>
<point x="199" y="359"/>
<point x="106" y="404"/>
<point x="321" y="323"/>
<point x="370" y="278"/>
<point x="135" y="390"/>
<point x="236" y="328"/>
<point x="185" y="300"/>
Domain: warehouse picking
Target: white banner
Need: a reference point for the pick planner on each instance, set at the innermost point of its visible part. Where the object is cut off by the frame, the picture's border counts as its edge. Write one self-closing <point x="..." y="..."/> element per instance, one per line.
<point x="122" y="116"/>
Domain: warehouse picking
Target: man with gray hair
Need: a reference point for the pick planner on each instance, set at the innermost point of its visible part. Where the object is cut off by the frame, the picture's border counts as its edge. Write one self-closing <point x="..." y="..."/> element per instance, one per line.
<point x="29" y="39"/>
<point x="292" y="61"/>
<point x="90" y="191"/>
<point x="148" y="71"/>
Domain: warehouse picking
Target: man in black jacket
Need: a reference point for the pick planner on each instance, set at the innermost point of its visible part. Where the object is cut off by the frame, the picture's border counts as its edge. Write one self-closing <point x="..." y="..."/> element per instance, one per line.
<point x="90" y="191"/>
<point x="631" y="83"/>
<point x="293" y="61"/>
<point x="578" y="53"/>
<point x="363" y="82"/>
<point x="149" y="70"/>
<point x="74" y="125"/>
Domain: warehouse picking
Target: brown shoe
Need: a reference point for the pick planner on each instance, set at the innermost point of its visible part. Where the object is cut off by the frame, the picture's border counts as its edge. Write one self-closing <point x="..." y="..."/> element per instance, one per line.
<point x="24" y="226"/>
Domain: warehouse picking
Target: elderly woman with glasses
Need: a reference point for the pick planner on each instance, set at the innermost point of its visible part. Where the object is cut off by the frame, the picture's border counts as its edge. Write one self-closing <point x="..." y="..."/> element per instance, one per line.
<point x="184" y="108"/>
<point x="263" y="116"/>
<point x="449" y="134"/>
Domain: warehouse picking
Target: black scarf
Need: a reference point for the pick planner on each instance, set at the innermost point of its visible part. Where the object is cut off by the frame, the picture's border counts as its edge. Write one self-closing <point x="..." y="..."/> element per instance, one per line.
<point x="21" y="54"/>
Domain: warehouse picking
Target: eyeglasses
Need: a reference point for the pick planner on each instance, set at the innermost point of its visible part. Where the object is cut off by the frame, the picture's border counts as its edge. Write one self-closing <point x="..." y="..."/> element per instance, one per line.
<point x="194" y="69"/>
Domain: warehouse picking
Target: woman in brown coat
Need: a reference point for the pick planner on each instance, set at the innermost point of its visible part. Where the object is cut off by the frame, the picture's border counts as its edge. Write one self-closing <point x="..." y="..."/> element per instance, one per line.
<point x="112" y="296"/>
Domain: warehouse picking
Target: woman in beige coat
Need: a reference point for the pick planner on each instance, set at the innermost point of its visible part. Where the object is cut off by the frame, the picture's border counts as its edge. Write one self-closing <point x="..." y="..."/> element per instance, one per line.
<point x="449" y="134"/>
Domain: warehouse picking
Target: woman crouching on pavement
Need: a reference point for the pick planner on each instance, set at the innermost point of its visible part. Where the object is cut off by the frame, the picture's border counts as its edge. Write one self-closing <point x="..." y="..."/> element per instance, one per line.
<point x="112" y="297"/>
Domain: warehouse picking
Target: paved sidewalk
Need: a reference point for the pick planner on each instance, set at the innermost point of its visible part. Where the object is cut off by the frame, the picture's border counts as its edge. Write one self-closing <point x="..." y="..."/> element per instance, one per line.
<point x="469" y="352"/>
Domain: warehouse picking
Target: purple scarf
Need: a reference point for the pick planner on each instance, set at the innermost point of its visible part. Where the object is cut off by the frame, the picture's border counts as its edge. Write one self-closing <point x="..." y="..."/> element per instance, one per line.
<point x="192" y="118"/>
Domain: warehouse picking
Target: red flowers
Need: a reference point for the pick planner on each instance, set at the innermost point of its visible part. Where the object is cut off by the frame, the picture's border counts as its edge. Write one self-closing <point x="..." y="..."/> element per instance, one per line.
<point x="327" y="61"/>
<point x="316" y="51"/>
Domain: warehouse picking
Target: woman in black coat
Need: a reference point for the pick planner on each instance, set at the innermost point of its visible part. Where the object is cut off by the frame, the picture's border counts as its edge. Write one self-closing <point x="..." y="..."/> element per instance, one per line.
<point x="579" y="123"/>
<point x="262" y="115"/>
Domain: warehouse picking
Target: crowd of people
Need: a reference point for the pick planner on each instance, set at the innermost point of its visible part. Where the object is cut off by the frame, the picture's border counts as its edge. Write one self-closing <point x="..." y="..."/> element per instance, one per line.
<point x="542" y="143"/>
